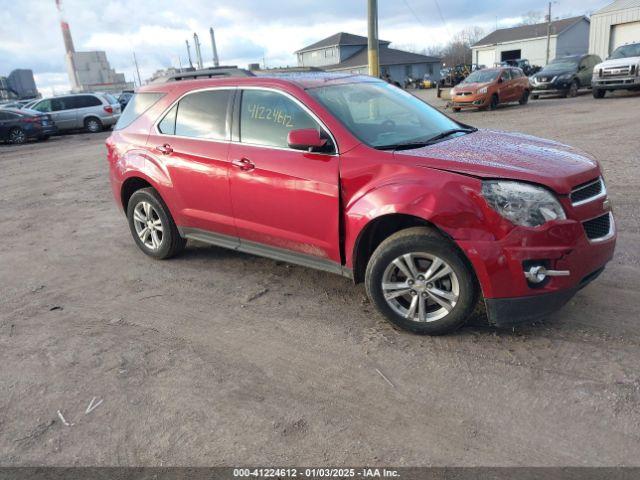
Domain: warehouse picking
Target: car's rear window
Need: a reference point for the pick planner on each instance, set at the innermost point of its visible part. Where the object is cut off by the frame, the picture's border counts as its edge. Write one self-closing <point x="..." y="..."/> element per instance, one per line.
<point x="140" y="103"/>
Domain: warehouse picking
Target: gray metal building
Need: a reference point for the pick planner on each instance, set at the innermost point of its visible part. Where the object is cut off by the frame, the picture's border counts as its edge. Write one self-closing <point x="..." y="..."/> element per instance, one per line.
<point x="614" y="25"/>
<point x="346" y="52"/>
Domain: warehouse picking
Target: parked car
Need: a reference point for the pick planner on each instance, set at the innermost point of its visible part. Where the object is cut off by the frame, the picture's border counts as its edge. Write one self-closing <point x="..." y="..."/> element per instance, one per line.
<point x="15" y="104"/>
<point x="123" y="99"/>
<point x="564" y="76"/>
<point x="491" y="87"/>
<point x="354" y="176"/>
<point x="17" y="126"/>
<point x="621" y="71"/>
<point x="90" y="111"/>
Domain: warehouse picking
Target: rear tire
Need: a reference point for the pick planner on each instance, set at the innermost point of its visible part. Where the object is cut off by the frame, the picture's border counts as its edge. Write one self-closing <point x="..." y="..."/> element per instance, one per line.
<point x="17" y="136"/>
<point x="92" y="125"/>
<point x="44" y="138"/>
<point x="435" y="301"/>
<point x="152" y="225"/>
<point x="598" y="93"/>
<point x="456" y="109"/>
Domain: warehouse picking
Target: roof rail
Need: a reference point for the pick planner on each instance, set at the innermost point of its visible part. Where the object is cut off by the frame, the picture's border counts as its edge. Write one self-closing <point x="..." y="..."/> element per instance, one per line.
<point x="206" y="73"/>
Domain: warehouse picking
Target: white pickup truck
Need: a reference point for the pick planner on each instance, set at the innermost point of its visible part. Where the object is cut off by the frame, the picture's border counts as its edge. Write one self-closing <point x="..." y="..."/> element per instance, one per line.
<point x="621" y="71"/>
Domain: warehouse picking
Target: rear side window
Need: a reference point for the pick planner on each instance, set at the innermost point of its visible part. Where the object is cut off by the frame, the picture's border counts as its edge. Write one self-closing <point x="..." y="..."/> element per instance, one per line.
<point x="82" y="101"/>
<point x="203" y="115"/>
<point x="110" y="98"/>
<point x="140" y="103"/>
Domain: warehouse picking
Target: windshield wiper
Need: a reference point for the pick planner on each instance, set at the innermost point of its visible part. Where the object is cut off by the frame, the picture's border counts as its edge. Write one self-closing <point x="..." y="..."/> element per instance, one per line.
<point x="428" y="141"/>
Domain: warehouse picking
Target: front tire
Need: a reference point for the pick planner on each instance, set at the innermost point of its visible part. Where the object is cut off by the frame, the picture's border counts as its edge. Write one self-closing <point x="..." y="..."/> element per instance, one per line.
<point x="421" y="282"/>
<point x="495" y="101"/>
<point x="152" y="226"/>
<point x="598" y="93"/>
<point x="525" y="98"/>
<point x="573" y="89"/>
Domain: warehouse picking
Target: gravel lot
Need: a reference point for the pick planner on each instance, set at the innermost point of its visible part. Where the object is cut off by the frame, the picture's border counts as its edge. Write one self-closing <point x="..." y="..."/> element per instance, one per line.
<point x="222" y="358"/>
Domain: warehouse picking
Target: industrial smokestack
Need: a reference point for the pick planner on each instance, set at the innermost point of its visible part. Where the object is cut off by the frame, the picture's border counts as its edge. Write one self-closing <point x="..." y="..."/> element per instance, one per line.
<point x="66" y="33"/>
<point x="198" y="53"/>
<point x="189" y="54"/>
<point x="216" y="62"/>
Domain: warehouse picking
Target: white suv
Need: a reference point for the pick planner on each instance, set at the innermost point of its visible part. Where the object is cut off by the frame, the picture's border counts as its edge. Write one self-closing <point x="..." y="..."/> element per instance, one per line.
<point x="621" y="71"/>
<point x="90" y="111"/>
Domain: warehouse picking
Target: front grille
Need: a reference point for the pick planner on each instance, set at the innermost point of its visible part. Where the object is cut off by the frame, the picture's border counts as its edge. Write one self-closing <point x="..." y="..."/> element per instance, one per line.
<point x="598" y="227"/>
<point x="587" y="191"/>
<point x="617" y="71"/>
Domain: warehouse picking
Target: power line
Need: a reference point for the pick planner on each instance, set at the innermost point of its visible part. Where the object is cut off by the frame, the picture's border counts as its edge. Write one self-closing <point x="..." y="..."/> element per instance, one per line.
<point x="444" y="22"/>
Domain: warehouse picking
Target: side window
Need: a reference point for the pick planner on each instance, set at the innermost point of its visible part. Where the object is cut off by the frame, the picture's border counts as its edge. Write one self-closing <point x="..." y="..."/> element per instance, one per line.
<point x="505" y="75"/>
<point x="203" y="115"/>
<point x="266" y="118"/>
<point x="58" y="104"/>
<point x="43" y="106"/>
<point x="82" y="101"/>
<point x="168" y="124"/>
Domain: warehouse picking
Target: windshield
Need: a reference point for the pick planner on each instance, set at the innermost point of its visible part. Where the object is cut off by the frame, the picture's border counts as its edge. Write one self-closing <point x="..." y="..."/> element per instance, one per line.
<point x="626" y="51"/>
<point x="563" y="64"/>
<point x="482" y="76"/>
<point x="382" y="115"/>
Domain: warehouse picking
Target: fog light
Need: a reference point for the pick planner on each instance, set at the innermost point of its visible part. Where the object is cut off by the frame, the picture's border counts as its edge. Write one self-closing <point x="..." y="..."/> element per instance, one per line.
<point x="537" y="273"/>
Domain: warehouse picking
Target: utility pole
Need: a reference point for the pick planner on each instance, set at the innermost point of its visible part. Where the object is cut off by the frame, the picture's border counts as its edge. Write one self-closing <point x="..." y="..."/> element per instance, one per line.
<point x="373" y="45"/>
<point x="196" y="42"/>
<point x="135" y="60"/>
<point x="548" y="34"/>
<point x="216" y="62"/>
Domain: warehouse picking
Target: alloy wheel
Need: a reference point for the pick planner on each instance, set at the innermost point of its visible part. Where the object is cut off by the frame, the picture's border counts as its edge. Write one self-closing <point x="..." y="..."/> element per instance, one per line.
<point x="420" y="287"/>
<point x="17" y="136"/>
<point x="93" y="126"/>
<point x="148" y="225"/>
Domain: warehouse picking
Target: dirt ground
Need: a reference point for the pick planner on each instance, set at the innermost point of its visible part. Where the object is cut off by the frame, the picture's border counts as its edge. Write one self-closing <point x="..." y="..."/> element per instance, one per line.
<point x="222" y="358"/>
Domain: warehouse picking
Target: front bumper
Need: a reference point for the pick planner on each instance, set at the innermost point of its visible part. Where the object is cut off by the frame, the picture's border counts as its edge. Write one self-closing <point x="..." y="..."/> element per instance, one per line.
<point x="617" y="83"/>
<point x="560" y="245"/>
<point x="469" y="101"/>
<point x="507" y="312"/>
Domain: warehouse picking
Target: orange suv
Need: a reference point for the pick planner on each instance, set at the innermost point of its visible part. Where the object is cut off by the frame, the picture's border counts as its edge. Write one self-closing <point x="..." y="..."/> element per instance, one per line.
<point x="490" y="87"/>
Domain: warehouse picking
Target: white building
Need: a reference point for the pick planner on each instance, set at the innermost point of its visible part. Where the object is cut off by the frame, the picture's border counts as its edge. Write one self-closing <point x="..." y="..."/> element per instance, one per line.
<point x="569" y="36"/>
<point x="614" y="25"/>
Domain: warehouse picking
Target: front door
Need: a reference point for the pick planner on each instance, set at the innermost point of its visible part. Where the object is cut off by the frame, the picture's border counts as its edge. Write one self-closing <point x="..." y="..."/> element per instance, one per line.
<point x="283" y="198"/>
<point x="192" y="142"/>
<point x="61" y="111"/>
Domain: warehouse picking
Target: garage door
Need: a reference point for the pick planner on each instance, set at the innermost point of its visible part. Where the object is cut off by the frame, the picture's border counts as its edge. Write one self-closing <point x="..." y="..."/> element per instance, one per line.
<point x="624" y="33"/>
<point x="486" y="57"/>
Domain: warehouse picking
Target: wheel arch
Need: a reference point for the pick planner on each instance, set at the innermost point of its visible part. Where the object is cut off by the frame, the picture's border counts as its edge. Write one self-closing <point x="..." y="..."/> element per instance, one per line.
<point x="130" y="186"/>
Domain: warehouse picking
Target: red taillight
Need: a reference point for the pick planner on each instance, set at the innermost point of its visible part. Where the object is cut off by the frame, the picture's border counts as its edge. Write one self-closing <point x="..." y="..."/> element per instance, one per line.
<point x="108" y="109"/>
<point x="31" y="119"/>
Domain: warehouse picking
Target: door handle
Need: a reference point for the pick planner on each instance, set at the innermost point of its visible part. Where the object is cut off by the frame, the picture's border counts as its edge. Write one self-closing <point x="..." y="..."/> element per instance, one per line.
<point x="165" y="149"/>
<point x="243" y="164"/>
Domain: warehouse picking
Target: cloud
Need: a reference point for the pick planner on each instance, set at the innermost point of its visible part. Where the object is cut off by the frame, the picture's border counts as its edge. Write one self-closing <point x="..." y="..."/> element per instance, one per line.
<point x="246" y="30"/>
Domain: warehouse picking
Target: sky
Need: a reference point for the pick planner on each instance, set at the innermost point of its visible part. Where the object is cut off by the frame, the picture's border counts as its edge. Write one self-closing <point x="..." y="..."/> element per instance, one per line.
<point x="247" y="31"/>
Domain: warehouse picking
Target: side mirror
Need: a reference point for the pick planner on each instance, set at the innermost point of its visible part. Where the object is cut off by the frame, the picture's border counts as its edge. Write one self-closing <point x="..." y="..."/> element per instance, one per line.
<point x="305" y="139"/>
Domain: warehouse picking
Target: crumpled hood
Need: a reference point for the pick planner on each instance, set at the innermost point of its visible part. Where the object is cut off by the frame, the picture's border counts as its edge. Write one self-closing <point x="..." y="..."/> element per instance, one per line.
<point x="617" y="62"/>
<point x="493" y="154"/>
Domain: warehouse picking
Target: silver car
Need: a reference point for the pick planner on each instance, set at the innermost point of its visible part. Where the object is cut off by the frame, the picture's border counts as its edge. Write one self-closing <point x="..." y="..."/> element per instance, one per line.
<point x="90" y="111"/>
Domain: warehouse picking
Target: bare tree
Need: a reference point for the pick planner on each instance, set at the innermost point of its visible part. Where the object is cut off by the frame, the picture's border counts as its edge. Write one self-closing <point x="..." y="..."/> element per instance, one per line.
<point x="532" y="17"/>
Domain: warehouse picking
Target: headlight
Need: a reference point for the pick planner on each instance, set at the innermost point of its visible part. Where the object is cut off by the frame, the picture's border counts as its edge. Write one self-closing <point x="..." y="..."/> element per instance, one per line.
<point x="452" y="92"/>
<point x="521" y="203"/>
<point x="482" y="90"/>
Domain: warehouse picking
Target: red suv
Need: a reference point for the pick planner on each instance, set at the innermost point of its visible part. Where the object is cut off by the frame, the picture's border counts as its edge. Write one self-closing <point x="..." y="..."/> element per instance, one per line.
<point x="352" y="175"/>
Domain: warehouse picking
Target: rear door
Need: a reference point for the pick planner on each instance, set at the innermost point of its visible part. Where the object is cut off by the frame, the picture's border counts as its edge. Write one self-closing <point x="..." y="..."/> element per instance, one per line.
<point x="283" y="198"/>
<point x="84" y="106"/>
<point x="192" y="142"/>
<point x="4" y="125"/>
